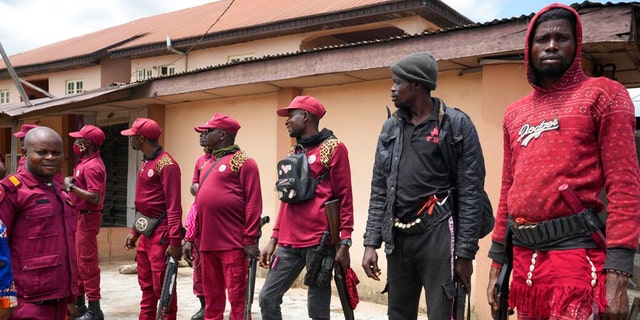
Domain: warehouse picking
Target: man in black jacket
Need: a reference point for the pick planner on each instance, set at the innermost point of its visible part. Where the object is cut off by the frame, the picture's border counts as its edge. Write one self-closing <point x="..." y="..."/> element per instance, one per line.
<point x="427" y="209"/>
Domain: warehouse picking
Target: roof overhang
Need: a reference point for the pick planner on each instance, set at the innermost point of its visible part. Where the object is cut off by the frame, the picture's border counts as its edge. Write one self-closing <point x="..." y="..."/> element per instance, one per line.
<point x="47" y="106"/>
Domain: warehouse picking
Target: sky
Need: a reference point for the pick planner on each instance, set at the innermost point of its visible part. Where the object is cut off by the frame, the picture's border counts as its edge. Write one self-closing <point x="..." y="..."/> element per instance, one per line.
<point x="29" y="24"/>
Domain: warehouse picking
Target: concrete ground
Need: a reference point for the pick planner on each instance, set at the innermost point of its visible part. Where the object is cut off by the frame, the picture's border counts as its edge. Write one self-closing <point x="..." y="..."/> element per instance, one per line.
<point x="121" y="298"/>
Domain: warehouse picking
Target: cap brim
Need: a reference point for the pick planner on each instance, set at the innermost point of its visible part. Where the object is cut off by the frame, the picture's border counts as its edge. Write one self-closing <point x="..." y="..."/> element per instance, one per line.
<point x="19" y="134"/>
<point x="127" y="132"/>
<point x="284" y="111"/>
<point x="75" y="135"/>
<point x="200" y="129"/>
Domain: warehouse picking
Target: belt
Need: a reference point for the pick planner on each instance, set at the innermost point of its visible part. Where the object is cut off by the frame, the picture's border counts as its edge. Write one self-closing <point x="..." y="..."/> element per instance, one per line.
<point x="50" y="302"/>
<point x="541" y="234"/>
<point x="436" y="209"/>
<point x="89" y="211"/>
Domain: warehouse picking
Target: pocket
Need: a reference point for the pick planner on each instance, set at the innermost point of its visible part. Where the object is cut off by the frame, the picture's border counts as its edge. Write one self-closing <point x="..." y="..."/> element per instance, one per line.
<point x="40" y="222"/>
<point x="38" y="273"/>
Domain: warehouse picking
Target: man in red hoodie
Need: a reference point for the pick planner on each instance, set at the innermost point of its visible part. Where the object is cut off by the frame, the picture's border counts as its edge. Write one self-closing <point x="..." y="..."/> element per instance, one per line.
<point x="575" y="131"/>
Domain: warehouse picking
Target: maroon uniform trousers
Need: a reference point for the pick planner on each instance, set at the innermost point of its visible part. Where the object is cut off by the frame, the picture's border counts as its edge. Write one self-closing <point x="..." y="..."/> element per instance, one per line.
<point x="152" y="264"/>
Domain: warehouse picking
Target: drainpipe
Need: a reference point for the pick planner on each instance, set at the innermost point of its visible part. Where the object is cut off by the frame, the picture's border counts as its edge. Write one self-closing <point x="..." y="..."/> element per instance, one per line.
<point x="15" y="78"/>
<point x="176" y="51"/>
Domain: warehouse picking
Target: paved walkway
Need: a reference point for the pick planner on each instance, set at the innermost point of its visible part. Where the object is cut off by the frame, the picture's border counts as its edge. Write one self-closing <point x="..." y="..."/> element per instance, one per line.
<point x="121" y="298"/>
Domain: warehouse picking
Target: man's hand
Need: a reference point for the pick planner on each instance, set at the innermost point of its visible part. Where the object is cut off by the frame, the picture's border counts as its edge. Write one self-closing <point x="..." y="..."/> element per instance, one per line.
<point x="186" y="251"/>
<point x="175" y="252"/>
<point x="494" y="273"/>
<point x="267" y="252"/>
<point x="343" y="257"/>
<point x="370" y="263"/>
<point x="464" y="268"/>
<point x="251" y="251"/>
<point x="68" y="180"/>
<point x="130" y="241"/>
<point x="72" y="313"/>
<point x="617" y="298"/>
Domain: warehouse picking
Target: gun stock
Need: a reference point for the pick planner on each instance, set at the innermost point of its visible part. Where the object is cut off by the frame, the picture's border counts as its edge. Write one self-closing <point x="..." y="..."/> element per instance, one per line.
<point x="251" y="276"/>
<point x="572" y="199"/>
<point x="332" y="209"/>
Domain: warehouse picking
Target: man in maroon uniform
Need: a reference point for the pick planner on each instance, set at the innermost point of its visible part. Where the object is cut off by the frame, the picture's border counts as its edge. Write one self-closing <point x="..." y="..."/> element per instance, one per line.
<point x="300" y="226"/>
<point x="86" y="189"/>
<point x="157" y="197"/>
<point x="190" y="226"/>
<point x="574" y="131"/>
<point x="229" y="203"/>
<point x="41" y="226"/>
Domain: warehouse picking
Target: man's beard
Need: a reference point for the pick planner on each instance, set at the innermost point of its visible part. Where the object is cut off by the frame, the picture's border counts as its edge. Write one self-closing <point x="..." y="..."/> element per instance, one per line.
<point x="401" y="105"/>
<point x="553" y="72"/>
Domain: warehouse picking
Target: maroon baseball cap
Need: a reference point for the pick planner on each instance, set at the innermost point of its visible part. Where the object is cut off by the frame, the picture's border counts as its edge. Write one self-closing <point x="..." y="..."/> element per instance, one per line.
<point x="222" y="122"/>
<point x="91" y="133"/>
<point x="306" y="103"/>
<point x="144" y="127"/>
<point x="23" y="130"/>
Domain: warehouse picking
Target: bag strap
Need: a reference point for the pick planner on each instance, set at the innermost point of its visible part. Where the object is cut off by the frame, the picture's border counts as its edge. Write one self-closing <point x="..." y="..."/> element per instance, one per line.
<point x="206" y="174"/>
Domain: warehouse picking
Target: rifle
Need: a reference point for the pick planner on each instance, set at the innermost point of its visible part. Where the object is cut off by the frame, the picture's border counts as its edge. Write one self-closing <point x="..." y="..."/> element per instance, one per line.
<point x="251" y="278"/>
<point x="168" y="289"/>
<point x="332" y="209"/>
<point x="502" y="285"/>
<point x="571" y="198"/>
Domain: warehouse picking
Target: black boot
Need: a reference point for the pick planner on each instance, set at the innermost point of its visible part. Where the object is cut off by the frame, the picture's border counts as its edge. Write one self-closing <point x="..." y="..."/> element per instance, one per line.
<point x="81" y="307"/>
<point x="200" y="314"/>
<point x="94" y="312"/>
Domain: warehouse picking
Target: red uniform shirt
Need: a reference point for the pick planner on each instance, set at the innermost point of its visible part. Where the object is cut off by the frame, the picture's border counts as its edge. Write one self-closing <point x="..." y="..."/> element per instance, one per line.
<point x="229" y="203"/>
<point x="91" y="175"/>
<point x="41" y="227"/>
<point x="158" y="192"/>
<point x="302" y="224"/>
<point x="200" y="162"/>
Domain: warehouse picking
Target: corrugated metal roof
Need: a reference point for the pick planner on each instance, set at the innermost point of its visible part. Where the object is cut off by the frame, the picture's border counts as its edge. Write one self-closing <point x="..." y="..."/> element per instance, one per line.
<point x="102" y="95"/>
<point x="190" y="23"/>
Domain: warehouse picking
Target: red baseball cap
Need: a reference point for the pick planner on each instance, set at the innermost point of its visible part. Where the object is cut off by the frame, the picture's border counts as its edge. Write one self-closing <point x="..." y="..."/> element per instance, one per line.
<point x="144" y="127"/>
<point x="91" y="133"/>
<point x="306" y="103"/>
<point x="23" y="130"/>
<point x="222" y="122"/>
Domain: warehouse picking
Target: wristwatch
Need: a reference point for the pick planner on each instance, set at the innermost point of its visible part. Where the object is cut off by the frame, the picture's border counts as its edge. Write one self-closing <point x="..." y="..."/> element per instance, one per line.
<point x="69" y="187"/>
<point x="345" y="242"/>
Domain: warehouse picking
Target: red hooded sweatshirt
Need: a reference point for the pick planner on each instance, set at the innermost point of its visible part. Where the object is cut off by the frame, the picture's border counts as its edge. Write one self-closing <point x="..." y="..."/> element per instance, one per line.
<point x="580" y="132"/>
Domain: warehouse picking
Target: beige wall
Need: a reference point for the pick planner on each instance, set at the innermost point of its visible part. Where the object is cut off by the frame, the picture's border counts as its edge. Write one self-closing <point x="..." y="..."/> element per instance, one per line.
<point x="355" y="113"/>
<point x="57" y="81"/>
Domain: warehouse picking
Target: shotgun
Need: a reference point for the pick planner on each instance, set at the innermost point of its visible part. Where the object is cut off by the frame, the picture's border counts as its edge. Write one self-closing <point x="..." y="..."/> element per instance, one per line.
<point x="168" y="289"/>
<point x="251" y="277"/>
<point x="502" y="285"/>
<point x="332" y="209"/>
<point x="592" y="220"/>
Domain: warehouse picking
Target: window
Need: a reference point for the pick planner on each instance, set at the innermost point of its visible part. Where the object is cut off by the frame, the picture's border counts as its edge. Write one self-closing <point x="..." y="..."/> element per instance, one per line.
<point x="75" y="86"/>
<point x="144" y="74"/>
<point x="167" y="70"/>
<point x="240" y="57"/>
<point x="4" y="96"/>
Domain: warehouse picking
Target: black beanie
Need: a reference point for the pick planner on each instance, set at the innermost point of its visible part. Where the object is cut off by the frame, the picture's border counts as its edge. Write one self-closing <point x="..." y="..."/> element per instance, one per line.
<point x="418" y="67"/>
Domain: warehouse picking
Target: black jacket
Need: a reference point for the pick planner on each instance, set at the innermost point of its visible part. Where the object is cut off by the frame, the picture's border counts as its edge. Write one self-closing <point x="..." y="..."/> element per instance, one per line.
<point x="458" y="141"/>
